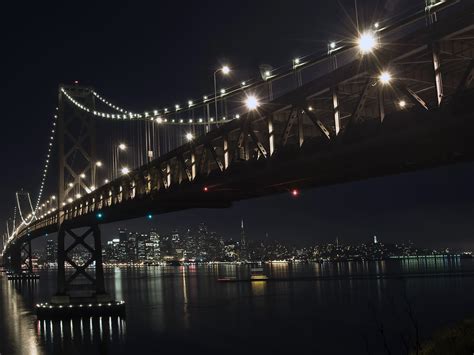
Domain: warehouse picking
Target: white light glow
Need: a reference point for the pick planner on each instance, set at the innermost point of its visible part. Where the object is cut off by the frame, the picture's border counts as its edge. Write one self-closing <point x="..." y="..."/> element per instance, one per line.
<point x="385" y="77"/>
<point x="125" y="170"/>
<point x="367" y="42"/>
<point x="225" y="69"/>
<point x="251" y="102"/>
<point x="189" y="137"/>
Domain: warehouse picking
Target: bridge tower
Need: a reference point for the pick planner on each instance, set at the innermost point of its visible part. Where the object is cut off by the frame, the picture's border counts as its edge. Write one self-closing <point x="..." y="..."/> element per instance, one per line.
<point x="77" y="144"/>
<point x="77" y="159"/>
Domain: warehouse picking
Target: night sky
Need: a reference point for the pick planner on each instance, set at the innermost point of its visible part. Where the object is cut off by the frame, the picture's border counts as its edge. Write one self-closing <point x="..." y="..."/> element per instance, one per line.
<point x="151" y="55"/>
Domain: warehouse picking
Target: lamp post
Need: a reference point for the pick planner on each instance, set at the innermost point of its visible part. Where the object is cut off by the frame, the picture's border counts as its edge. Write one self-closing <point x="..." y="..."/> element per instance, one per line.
<point x="116" y="167"/>
<point x="97" y="164"/>
<point x="225" y="70"/>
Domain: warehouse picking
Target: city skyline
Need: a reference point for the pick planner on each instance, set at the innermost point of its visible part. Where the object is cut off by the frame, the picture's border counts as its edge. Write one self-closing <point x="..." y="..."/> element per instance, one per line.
<point x="193" y="242"/>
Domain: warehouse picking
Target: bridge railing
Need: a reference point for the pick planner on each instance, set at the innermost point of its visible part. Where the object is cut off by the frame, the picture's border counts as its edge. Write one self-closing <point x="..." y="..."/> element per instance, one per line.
<point x="287" y="78"/>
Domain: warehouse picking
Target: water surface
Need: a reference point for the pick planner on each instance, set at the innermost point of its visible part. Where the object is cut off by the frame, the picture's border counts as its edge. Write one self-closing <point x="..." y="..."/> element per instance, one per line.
<point x="184" y="309"/>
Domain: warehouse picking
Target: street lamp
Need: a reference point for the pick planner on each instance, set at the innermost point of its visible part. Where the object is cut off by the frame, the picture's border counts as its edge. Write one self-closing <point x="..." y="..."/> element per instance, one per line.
<point x="98" y="164"/>
<point x="125" y="170"/>
<point x="118" y="148"/>
<point x="385" y="77"/>
<point x="225" y="70"/>
<point x="189" y="137"/>
<point x="251" y="102"/>
<point x="367" y="42"/>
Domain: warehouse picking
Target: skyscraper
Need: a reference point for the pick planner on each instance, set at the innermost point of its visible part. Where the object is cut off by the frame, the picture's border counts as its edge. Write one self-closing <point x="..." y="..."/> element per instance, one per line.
<point x="51" y="251"/>
<point x="243" y="243"/>
<point x="155" y="239"/>
<point x="243" y="240"/>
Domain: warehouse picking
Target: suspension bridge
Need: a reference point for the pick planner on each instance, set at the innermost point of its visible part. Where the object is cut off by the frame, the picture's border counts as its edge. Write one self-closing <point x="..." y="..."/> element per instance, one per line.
<point x="396" y="97"/>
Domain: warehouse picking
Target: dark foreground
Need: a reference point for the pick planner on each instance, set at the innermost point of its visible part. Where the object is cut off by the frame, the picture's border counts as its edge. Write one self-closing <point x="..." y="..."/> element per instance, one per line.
<point x="184" y="309"/>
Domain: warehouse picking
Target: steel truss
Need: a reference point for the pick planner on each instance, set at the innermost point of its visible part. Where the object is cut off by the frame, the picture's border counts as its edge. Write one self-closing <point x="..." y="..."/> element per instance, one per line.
<point x="77" y="145"/>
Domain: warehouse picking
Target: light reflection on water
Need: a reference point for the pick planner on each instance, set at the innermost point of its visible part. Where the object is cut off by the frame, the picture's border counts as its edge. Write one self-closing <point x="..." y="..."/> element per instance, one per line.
<point x="80" y="331"/>
<point x="185" y="308"/>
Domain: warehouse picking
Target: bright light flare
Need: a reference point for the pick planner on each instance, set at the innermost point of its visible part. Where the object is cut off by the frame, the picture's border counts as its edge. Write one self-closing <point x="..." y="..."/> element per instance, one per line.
<point x="189" y="137"/>
<point x="367" y="42"/>
<point x="402" y="103"/>
<point x="251" y="102"/>
<point x="295" y="192"/>
<point x="122" y="146"/>
<point x="125" y="170"/>
<point x="225" y="70"/>
<point x="385" y="77"/>
<point x="99" y="164"/>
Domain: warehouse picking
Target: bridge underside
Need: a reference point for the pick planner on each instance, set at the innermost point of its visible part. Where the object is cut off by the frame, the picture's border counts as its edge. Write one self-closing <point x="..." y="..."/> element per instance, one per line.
<point x="404" y="141"/>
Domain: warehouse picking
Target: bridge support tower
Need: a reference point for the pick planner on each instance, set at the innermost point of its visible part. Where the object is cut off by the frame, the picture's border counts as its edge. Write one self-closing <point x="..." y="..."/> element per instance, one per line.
<point x="81" y="283"/>
<point x="81" y="288"/>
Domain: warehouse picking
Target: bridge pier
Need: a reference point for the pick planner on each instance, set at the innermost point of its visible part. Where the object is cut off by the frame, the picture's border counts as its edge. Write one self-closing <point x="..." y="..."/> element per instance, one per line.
<point x="26" y="256"/>
<point x="19" y="262"/>
<point x="94" y="283"/>
<point x="81" y="292"/>
<point x="14" y="261"/>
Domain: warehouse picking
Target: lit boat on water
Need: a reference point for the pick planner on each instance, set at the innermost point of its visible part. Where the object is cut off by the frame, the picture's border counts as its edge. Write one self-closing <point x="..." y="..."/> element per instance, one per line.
<point x="256" y="274"/>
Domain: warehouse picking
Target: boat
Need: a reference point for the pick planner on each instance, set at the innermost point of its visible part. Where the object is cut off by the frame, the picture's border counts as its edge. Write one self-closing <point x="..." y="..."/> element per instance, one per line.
<point x="256" y="274"/>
